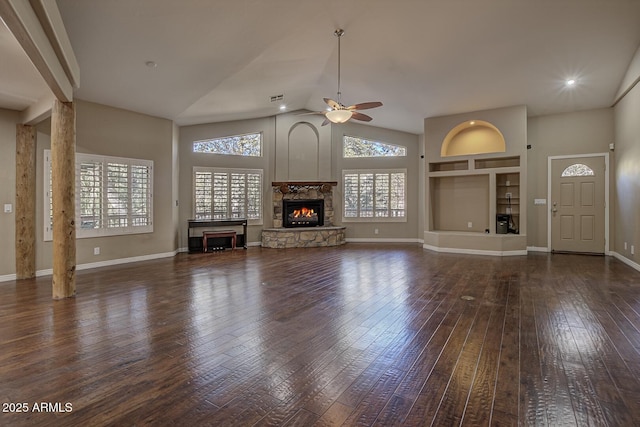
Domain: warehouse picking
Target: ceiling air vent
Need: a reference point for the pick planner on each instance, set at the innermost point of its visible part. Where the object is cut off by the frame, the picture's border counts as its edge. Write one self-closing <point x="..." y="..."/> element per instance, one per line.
<point x="275" y="98"/>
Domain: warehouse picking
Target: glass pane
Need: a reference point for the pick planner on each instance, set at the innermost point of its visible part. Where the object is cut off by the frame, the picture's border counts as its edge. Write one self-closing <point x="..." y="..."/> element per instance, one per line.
<point x="203" y="193"/>
<point x="90" y="195"/>
<point x="351" y="195"/>
<point x="359" y="147"/>
<point x="238" y="195"/>
<point x="254" y="196"/>
<point x="397" y="195"/>
<point x="140" y="195"/>
<point x="220" y="195"/>
<point x="382" y="195"/>
<point x="366" y="195"/>
<point x="578" y="169"/>
<point x="117" y="194"/>
<point x="239" y="145"/>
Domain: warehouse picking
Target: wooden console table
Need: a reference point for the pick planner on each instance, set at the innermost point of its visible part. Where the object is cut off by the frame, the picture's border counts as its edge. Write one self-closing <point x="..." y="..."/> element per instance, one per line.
<point x="195" y="239"/>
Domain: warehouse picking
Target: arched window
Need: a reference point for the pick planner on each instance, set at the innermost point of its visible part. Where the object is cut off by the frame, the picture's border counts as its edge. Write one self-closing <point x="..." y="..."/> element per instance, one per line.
<point x="577" y="169"/>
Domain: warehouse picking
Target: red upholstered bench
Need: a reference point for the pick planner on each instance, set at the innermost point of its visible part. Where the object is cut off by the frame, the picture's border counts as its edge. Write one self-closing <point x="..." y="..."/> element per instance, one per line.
<point x="221" y="233"/>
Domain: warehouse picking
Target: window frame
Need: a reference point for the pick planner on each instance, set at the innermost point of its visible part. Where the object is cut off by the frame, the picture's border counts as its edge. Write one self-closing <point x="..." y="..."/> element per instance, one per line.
<point x="229" y="171"/>
<point x="374" y="218"/>
<point x="259" y="134"/>
<point x="344" y="142"/>
<point x="103" y="229"/>
<point x="569" y="171"/>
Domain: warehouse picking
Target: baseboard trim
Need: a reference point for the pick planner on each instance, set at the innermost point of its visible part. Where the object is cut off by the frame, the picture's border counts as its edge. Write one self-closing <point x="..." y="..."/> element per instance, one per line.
<point x="8" y="277"/>
<point x="474" y="251"/>
<point x="537" y="249"/>
<point x="625" y="260"/>
<point x="108" y="263"/>
<point x="381" y="240"/>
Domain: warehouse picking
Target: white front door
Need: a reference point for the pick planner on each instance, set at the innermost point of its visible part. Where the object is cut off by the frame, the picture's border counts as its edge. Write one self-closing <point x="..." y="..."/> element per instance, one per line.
<point x="578" y="205"/>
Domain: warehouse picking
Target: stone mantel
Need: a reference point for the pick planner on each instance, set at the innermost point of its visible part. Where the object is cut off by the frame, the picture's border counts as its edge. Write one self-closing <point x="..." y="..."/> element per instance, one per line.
<point x="304" y="183"/>
<point x="285" y="187"/>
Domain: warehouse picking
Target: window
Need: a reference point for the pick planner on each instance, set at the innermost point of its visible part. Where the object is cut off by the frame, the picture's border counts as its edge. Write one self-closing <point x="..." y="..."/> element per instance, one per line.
<point x="114" y="196"/>
<point x="376" y="195"/>
<point x="578" y="169"/>
<point x="238" y="145"/>
<point x="359" y="147"/>
<point x="227" y="193"/>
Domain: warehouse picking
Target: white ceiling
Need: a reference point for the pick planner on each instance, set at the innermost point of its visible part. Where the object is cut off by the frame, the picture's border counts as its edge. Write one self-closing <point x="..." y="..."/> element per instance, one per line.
<point x="221" y="60"/>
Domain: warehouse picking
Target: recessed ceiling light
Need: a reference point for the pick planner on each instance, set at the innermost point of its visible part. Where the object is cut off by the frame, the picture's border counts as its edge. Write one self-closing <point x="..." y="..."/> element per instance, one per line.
<point x="571" y="82"/>
<point x="283" y="107"/>
<point x="151" y="64"/>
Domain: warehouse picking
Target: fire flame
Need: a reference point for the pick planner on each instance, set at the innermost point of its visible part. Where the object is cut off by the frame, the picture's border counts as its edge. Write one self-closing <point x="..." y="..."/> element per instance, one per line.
<point x="303" y="213"/>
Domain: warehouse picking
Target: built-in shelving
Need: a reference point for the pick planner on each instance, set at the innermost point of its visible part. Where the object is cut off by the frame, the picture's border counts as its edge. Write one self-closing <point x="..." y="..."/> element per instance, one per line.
<point x="476" y="195"/>
<point x="460" y="165"/>
<point x="475" y="187"/>
<point x="508" y="200"/>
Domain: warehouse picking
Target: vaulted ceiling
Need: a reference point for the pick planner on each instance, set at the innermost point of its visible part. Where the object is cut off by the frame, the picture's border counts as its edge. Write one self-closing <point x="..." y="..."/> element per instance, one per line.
<point x="223" y="60"/>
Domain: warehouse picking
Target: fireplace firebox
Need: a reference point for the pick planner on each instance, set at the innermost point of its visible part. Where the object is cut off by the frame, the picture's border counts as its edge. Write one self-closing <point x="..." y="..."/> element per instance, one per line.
<point x="302" y="213"/>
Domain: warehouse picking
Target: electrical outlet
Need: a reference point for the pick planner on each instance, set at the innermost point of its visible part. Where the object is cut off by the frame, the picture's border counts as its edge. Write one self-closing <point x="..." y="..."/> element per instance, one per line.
<point x="375" y="231"/>
<point x="625" y="246"/>
<point x="8" y="208"/>
<point x="633" y="252"/>
<point x="96" y="251"/>
<point x="469" y="224"/>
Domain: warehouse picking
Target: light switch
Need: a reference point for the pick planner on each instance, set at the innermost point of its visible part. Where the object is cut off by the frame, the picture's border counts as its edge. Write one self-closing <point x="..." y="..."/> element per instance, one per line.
<point x="8" y="208"/>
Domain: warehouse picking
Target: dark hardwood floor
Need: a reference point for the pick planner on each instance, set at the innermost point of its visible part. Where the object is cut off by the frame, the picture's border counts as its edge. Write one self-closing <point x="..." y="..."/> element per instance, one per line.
<point x="355" y="335"/>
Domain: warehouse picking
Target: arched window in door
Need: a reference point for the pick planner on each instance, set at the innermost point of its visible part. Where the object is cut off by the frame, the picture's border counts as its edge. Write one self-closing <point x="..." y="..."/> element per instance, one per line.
<point x="577" y="169"/>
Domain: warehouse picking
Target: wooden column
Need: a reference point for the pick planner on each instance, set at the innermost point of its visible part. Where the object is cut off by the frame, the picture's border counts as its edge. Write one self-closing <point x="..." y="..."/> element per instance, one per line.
<point x="25" y="201"/>
<point x="63" y="147"/>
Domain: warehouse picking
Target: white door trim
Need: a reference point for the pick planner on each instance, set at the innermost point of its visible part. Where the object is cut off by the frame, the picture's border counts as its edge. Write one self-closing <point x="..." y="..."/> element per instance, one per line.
<point x="606" y="195"/>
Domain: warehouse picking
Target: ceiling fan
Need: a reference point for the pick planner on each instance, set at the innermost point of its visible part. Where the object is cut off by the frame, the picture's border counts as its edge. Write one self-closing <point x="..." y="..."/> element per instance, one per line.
<point x="338" y="113"/>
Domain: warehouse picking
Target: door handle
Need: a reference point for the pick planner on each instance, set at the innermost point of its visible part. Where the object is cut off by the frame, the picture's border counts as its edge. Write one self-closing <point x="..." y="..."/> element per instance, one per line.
<point x="554" y="210"/>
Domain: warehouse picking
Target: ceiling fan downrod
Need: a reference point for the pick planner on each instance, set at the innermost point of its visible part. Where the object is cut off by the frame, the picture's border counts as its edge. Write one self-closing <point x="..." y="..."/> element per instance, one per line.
<point x="338" y="33"/>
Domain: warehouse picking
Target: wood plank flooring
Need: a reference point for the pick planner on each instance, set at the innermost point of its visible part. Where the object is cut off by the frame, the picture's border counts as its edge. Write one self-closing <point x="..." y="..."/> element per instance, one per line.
<point x="360" y="334"/>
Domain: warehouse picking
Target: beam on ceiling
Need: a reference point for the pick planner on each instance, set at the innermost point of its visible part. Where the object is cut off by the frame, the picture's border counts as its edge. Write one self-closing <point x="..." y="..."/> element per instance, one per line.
<point x="631" y="78"/>
<point x="51" y="21"/>
<point x="22" y="20"/>
<point x="35" y="113"/>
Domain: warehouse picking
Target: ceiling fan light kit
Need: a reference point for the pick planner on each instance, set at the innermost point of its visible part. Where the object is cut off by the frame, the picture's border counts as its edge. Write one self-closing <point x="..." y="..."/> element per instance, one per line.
<point x="337" y="112"/>
<point x="338" y="116"/>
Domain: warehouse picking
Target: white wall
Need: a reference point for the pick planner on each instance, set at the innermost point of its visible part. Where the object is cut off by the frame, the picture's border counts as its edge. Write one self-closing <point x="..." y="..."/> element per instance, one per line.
<point x="189" y="159"/>
<point x="582" y="132"/>
<point x="277" y="166"/>
<point x="403" y="231"/>
<point x="626" y="216"/>
<point x="8" y="120"/>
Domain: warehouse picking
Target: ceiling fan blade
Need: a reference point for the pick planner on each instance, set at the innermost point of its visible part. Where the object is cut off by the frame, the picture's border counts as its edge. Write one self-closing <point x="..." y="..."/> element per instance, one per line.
<point x="325" y="122"/>
<point x="361" y="117"/>
<point x="365" y="105"/>
<point x="331" y="103"/>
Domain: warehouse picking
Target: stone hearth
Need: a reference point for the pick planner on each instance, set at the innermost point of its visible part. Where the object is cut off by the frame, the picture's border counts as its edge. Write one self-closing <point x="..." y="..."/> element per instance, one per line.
<point x="302" y="237"/>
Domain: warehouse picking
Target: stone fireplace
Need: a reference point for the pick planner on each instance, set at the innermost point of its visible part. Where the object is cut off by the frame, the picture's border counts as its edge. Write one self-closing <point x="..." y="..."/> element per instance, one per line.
<point x="312" y="228"/>
<point x="302" y="190"/>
